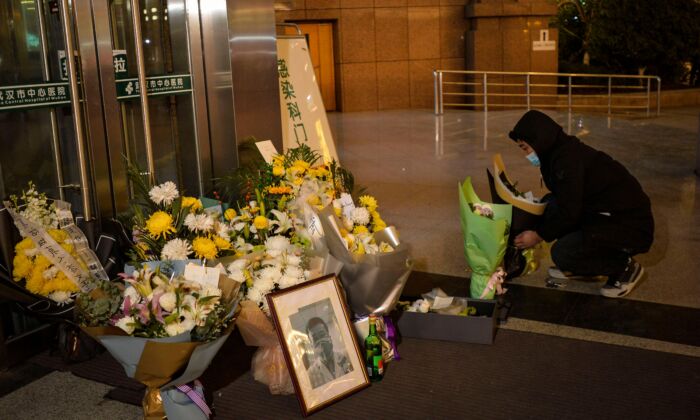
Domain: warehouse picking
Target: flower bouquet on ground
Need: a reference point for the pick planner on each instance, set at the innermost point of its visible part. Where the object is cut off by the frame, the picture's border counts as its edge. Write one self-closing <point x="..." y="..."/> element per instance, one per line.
<point x="486" y="229"/>
<point x="376" y="265"/>
<point x="275" y="265"/>
<point x="527" y="211"/>
<point x="53" y="261"/>
<point x="170" y="230"/>
<point x="164" y="330"/>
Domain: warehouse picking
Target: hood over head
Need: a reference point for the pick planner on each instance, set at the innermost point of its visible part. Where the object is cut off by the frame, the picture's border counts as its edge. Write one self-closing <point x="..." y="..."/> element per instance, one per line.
<point x="537" y="130"/>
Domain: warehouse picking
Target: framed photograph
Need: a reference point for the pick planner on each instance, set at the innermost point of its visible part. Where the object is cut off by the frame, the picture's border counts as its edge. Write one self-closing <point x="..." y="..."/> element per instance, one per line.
<point x="319" y="343"/>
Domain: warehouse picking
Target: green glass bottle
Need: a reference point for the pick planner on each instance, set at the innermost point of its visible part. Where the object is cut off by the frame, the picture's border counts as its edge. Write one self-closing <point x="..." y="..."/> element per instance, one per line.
<point x="374" y="360"/>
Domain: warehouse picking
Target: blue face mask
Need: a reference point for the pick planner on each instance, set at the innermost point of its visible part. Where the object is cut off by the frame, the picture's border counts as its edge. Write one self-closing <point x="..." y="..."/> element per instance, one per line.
<point x="534" y="160"/>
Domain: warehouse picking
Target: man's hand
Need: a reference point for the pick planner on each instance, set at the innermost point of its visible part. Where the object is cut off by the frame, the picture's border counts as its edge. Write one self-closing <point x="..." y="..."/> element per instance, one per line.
<point x="527" y="239"/>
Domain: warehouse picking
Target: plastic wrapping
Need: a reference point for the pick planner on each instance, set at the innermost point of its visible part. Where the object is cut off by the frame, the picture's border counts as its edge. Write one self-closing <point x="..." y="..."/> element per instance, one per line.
<point x="268" y="365"/>
<point x="373" y="283"/>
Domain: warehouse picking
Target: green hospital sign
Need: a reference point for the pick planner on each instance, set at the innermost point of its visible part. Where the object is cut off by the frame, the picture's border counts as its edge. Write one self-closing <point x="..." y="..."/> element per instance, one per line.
<point x="55" y="94"/>
<point x="157" y="85"/>
<point x="34" y="96"/>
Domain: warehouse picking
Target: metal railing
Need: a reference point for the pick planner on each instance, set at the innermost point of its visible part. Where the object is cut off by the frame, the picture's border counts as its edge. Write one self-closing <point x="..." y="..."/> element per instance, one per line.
<point x="484" y="89"/>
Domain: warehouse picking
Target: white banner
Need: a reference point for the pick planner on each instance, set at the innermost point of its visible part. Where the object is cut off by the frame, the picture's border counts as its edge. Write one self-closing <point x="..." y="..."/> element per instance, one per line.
<point x="304" y="117"/>
<point x="52" y="250"/>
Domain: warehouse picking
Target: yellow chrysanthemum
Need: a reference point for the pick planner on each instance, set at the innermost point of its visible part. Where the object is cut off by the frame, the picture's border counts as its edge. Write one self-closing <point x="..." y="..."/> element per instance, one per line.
<point x="260" y="222"/>
<point x="360" y="249"/>
<point x="378" y="224"/>
<point x="322" y="171"/>
<point x="61" y="283"/>
<point x="41" y="263"/>
<point x="22" y="266"/>
<point x="359" y="229"/>
<point x="35" y="283"/>
<point x="229" y="214"/>
<point x="301" y="164"/>
<point x="279" y="190"/>
<point x="24" y="244"/>
<point x="68" y="247"/>
<point x="298" y="181"/>
<point x="313" y="199"/>
<point x="278" y="170"/>
<point x="58" y="235"/>
<point x="338" y="211"/>
<point x="193" y="203"/>
<point x="369" y="202"/>
<point x="222" y="243"/>
<point x="160" y="224"/>
<point x="278" y="160"/>
<point x="204" y="248"/>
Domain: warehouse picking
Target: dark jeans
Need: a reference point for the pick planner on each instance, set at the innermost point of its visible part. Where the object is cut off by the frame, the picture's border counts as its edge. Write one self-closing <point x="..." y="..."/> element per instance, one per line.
<point x="571" y="253"/>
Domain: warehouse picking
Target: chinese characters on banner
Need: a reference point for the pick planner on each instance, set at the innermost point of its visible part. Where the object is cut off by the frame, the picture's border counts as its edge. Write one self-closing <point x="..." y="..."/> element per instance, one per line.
<point x="292" y="106"/>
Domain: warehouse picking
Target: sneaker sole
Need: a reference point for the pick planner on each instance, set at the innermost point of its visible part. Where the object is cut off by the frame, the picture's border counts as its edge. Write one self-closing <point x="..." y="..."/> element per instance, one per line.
<point x="556" y="275"/>
<point x="632" y="285"/>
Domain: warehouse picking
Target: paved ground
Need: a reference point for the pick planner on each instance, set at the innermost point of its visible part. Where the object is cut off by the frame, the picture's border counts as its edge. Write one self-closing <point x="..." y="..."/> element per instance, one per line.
<point x="412" y="161"/>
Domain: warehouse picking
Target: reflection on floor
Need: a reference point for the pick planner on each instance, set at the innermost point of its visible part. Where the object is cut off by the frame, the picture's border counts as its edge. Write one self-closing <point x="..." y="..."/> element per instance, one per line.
<point x="412" y="161"/>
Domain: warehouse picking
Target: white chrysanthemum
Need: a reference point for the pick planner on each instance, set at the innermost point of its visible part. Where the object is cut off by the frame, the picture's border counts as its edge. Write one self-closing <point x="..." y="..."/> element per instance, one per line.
<point x="164" y="193"/>
<point x="294" y="271"/>
<point x="168" y="301"/>
<point x="50" y="272"/>
<point x="256" y="295"/>
<point x="176" y="249"/>
<point x="182" y="325"/>
<point x="199" y="222"/>
<point x="31" y="252"/>
<point x="360" y="216"/>
<point x="288" y="281"/>
<point x="277" y="243"/>
<point x="132" y="294"/>
<point x="223" y="230"/>
<point x="126" y="324"/>
<point x="61" y="297"/>
<point x="267" y="277"/>
<point x="293" y="260"/>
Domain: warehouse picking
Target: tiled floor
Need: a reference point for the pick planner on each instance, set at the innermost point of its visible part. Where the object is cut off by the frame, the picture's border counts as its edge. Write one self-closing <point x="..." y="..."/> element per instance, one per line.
<point x="412" y="161"/>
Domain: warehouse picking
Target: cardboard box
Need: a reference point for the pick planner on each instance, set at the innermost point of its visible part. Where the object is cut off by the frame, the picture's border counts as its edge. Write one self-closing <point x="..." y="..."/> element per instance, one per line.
<point x="479" y="328"/>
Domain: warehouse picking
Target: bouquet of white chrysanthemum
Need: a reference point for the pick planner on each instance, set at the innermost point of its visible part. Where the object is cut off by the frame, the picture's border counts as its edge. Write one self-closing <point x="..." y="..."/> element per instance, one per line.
<point x="170" y="227"/>
<point x="164" y="331"/>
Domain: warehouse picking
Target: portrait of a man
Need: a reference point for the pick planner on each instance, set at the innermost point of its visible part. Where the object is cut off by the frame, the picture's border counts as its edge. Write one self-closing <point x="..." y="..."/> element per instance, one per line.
<point x="328" y="362"/>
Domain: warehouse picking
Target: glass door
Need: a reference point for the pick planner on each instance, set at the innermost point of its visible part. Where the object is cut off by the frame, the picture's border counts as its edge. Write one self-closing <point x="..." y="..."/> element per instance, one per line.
<point x="163" y="129"/>
<point x="37" y="121"/>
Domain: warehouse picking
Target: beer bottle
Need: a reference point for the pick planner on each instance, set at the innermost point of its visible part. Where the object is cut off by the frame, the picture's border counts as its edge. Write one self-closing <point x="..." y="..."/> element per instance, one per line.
<point x="374" y="360"/>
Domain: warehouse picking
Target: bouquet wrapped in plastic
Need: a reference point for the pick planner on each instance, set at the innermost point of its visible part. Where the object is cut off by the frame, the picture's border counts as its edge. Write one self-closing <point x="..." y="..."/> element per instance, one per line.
<point x="376" y="265"/>
<point x="486" y="228"/>
<point x="164" y="331"/>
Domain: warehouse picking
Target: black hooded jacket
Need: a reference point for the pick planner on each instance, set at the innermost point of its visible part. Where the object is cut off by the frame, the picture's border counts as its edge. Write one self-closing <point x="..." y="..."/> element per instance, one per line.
<point x="593" y="192"/>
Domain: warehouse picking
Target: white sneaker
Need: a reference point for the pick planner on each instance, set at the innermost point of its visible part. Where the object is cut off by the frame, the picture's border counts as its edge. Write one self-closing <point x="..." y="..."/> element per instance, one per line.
<point x="556" y="273"/>
<point x="623" y="284"/>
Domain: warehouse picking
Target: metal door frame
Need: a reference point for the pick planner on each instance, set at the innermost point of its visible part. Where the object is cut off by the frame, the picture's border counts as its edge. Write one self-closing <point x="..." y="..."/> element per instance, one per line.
<point x="109" y="152"/>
